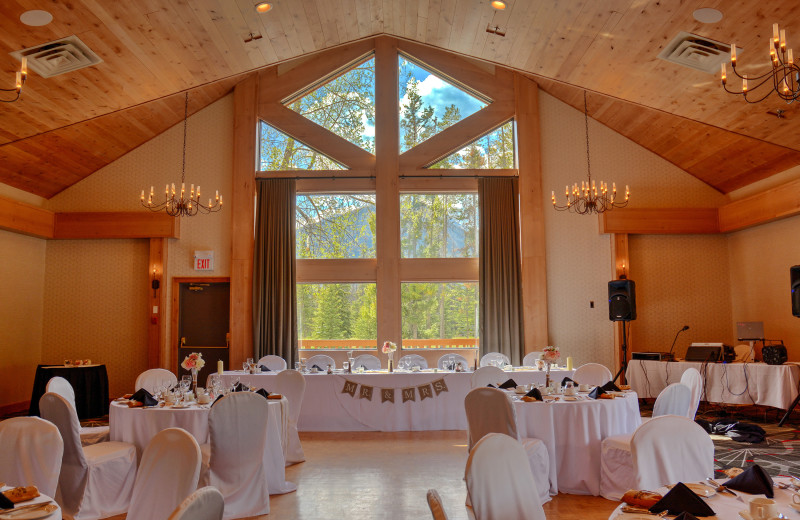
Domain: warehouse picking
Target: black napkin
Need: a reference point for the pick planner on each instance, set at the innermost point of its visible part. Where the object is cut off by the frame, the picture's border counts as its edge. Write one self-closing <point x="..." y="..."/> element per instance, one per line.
<point x="753" y="480"/>
<point x="567" y="380"/>
<point x="681" y="499"/>
<point x="490" y="385"/>
<point x="597" y="392"/>
<point x="318" y="368"/>
<point x="144" y="397"/>
<point x="5" y="502"/>
<point x="240" y="387"/>
<point x="215" y="400"/>
<point x="686" y="516"/>
<point x="611" y="387"/>
<point x="509" y="384"/>
<point x="535" y="393"/>
<point x="263" y="393"/>
<point x="264" y="368"/>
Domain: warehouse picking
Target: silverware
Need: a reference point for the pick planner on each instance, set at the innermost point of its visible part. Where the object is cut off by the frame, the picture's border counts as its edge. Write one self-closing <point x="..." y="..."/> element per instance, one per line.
<point x="641" y="511"/>
<point x="26" y="509"/>
<point x="723" y="489"/>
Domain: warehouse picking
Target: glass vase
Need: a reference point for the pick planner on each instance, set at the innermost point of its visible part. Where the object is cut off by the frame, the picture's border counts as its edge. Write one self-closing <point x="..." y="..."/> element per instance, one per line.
<point x="194" y="381"/>
<point x="391" y="361"/>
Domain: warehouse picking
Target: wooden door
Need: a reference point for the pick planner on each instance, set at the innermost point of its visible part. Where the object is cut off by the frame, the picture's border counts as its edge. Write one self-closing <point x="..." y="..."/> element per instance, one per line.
<point x="203" y="323"/>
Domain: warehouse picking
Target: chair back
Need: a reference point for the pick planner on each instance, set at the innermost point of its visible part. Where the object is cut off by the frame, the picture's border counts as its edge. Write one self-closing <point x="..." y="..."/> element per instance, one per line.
<point x="493" y="357"/>
<point x="273" y="362"/>
<point x="675" y="399"/>
<point x="487" y="375"/>
<point x="204" y="504"/>
<point x="436" y="505"/>
<point x="489" y="410"/>
<point x="368" y="361"/>
<point x="321" y="360"/>
<point x="500" y="484"/>
<point x="448" y="362"/>
<point x="59" y="385"/>
<point x="530" y="359"/>
<point x="167" y="474"/>
<point x="691" y="377"/>
<point x="412" y="360"/>
<point x="292" y="385"/>
<point x="670" y="449"/>
<point x="153" y="378"/>
<point x="592" y="374"/>
<point x="31" y="453"/>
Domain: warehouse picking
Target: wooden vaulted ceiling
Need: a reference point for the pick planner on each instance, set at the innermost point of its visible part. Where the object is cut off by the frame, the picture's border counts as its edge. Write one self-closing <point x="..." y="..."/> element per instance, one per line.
<point x="66" y="127"/>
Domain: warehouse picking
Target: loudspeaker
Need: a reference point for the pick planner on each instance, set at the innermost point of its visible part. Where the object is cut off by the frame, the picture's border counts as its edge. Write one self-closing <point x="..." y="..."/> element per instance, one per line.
<point x="794" y="275"/>
<point x="621" y="300"/>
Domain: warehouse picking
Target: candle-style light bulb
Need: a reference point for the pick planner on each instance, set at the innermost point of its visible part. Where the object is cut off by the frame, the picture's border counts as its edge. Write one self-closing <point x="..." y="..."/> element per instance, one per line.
<point x="744" y="83"/>
<point x="24" y="68"/>
<point x="142" y="195"/>
<point x="775" y="33"/>
<point x="733" y="54"/>
<point x="783" y="39"/>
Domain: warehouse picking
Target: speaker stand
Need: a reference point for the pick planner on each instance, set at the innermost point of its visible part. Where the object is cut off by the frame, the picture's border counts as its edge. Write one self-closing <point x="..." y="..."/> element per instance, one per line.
<point x="624" y="365"/>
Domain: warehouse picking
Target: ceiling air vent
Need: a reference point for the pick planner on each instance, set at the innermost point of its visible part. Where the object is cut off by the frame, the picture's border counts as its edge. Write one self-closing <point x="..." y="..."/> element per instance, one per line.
<point x="697" y="52"/>
<point x="59" y="56"/>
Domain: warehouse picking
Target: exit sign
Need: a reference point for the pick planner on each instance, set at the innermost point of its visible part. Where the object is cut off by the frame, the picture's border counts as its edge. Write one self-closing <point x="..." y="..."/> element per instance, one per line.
<point x="204" y="260"/>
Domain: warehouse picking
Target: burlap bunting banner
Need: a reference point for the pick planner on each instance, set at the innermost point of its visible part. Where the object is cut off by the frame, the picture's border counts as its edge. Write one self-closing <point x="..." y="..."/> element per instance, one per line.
<point x="425" y="392"/>
<point x="409" y="395"/>
<point x="431" y="390"/>
<point x="439" y="386"/>
<point x="387" y="394"/>
<point x="366" y="392"/>
<point x="350" y="388"/>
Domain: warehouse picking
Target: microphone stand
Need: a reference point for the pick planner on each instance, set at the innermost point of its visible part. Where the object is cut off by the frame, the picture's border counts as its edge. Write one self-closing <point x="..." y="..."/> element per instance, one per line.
<point x="669" y="356"/>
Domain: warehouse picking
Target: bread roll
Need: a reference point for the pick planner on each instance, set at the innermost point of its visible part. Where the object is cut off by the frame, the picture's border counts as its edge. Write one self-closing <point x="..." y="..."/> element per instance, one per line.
<point x="643" y="499"/>
<point x="21" y="494"/>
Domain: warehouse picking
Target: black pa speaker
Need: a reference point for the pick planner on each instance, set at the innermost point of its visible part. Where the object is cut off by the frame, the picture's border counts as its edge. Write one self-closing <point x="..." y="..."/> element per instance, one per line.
<point x="621" y="300"/>
<point x="794" y="275"/>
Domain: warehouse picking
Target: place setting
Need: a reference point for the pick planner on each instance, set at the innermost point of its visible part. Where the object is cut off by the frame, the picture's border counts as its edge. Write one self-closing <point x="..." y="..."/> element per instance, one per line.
<point x="14" y="503"/>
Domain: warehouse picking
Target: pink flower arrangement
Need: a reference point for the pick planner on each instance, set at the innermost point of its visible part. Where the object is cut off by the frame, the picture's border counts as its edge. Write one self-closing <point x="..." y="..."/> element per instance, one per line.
<point x="388" y="347"/>
<point x="550" y="354"/>
<point x="193" y="360"/>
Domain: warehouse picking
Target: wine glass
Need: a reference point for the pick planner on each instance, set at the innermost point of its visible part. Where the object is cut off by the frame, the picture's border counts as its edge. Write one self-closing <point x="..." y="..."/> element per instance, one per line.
<point x="235" y="383"/>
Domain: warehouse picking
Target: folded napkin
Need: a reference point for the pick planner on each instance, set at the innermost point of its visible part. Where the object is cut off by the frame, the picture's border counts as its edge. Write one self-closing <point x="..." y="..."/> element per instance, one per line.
<point x="490" y="385"/>
<point x="240" y="387"/>
<point x="567" y="380"/>
<point x="263" y="393"/>
<point x="509" y="384"/>
<point x="611" y="387"/>
<point x="5" y="502"/>
<point x="535" y="393"/>
<point x="144" y="397"/>
<point x="264" y="368"/>
<point x="217" y="399"/>
<point x="597" y="392"/>
<point x="318" y="368"/>
<point x="681" y="499"/>
<point x="686" y="516"/>
<point x="753" y="480"/>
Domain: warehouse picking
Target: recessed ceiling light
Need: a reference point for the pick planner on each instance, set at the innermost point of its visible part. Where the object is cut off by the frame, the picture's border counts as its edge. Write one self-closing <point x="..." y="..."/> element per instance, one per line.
<point x="707" y="15"/>
<point x="263" y="7"/>
<point x="36" y="18"/>
<point x="498" y="4"/>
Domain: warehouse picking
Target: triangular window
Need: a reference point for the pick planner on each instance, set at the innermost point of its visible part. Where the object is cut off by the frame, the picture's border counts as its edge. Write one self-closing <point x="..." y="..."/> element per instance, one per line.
<point x="429" y="103"/>
<point x="278" y="152"/>
<point x="494" y="150"/>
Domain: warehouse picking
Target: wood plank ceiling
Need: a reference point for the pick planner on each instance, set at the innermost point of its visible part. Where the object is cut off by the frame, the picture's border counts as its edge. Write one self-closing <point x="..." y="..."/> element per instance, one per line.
<point x="66" y="127"/>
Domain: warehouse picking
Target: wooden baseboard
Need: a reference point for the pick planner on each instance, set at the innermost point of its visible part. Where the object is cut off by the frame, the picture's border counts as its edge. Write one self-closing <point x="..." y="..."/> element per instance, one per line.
<point x="14" y="408"/>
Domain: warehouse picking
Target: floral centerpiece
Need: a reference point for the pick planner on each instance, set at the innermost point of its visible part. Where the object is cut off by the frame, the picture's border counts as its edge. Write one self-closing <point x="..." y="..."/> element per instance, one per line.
<point x="388" y="348"/>
<point x="193" y="362"/>
<point x="550" y="355"/>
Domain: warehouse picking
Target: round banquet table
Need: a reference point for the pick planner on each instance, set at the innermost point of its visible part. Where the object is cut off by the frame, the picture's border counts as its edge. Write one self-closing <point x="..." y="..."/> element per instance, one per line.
<point x="573" y="431"/>
<point x="139" y="425"/>
<point x="55" y="515"/>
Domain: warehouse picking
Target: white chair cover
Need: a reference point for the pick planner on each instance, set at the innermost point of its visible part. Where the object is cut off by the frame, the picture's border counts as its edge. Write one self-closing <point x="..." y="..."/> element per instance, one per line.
<point x="691" y="377"/>
<point x="487" y="375"/>
<point x="168" y="473"/>
<point x="592" y="374"/>
<point x="292" y="385"/>
<point x="435" y="503"/>
<point x="273" y="362"/>
<point x="321" y="360"/>
<point x="204" y="504"/>
<point x="489" y="410"/>
<point x="233" y="462"/>
<point x="487" y="359"/>
<point x="30" y="453"/>
<point x="412" y="360"/>
<point x="530" y="359"/>
<point x="448" y="360"/>
<point x="673" y="400"/>
<point x="500" y="485"/>
<point x="368" y="361"/>
<point x="89" y="434"/>
<point x="95" y="481"/>
<point x="151" y="379"/>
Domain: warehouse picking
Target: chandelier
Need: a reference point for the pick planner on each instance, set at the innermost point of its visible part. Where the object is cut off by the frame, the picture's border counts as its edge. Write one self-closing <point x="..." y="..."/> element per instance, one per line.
<point x="178" y="204"/>
<point x="590" y="197"/>
<point x="22" y="75"/>
<point x="784" y="77"/>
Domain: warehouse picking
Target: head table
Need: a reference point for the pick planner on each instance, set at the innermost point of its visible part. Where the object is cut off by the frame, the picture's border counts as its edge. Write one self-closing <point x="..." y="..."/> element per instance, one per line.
<point x="139" y="425"/>
<point x="382" y="401"/>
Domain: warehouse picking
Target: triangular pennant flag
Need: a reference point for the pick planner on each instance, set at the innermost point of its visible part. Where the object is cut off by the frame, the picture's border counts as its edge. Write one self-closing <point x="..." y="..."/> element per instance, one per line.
<point x="409" y="395"/>
<point x="439" y="386"/>
<point x="350" y="388"/>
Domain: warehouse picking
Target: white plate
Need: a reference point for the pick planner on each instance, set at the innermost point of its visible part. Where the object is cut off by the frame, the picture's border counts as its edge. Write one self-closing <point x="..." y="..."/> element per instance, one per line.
<point x="635" y="516"/>
<point x="180" y="406"/>
<point x="700" y="490"/>
<point x="33" y="514"/>
<point x="796" y="507"/>
<point x="571" y="398"/>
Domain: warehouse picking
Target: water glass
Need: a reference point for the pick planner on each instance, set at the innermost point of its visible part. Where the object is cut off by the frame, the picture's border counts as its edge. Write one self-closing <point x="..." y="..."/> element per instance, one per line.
<point x="249" y="361"/>
<point x="345" y="366"/>
<point x="297" y="366"/>
<point x="245" y="366"/>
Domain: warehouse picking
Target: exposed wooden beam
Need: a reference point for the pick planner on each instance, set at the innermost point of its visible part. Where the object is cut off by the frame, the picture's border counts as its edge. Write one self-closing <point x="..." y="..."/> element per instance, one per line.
<point x="660" y="221"/>
<point x="322" y="174"/>
<point x="121" y="224"/>
<point x="26" y="219"/>
<point x="332" y="271"/>
<point x="157" y="353"/>
<point x="773" y="204"/>
<point x="438" y="269"/>
<point x="466" y="172"/>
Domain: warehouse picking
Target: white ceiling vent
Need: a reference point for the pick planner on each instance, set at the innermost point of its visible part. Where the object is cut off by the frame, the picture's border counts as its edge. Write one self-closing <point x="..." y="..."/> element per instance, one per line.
<point x="697" y="52"/>
<point x="59" y="56"/>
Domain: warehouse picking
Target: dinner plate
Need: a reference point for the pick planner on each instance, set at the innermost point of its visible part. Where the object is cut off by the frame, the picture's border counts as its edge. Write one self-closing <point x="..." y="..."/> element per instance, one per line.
<point x="634" y="516"/>
<point x="180" y="406"/>
<point x="33" y="514"/>
<point x="796" y="507"/>
<point x="571" y="398"/>
<point x="700" y="490"/>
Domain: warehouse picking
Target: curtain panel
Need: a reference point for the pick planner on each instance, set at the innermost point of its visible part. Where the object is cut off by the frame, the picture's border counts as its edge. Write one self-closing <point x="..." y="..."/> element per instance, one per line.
<point x="501" y="320"/>
<point x="274" y="301"/>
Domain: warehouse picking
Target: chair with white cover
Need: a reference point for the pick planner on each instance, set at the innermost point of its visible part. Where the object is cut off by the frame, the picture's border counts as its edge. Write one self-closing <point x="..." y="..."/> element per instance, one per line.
<point x="436" y="505"/>
<point x="499" y="482"/>
<point x="233" y="461"/>
<point x="675" y="399"/>
<point x="486" y="376"/>
<point x="31" y="453"/>
<point x="409" y="361"/>
<point x="89" y="434"/>
<point x="664" y="450"/>
<point x="592" y="374"/>
<point x="691" y="377"/>
<point x="95" y="481"/>
<point x="492" y="358"/>
<point x="273" y="362"/>
<point x="448" y="362"/>
<point x="530" y="359"/>
<point x="154" y="378"/>
<point x="489" y="410"/>
<point x="292" y="385"/>
<point x="168" y="473"/>
<point x="368" y="361"/>
<point x="204" y="504"/>
<point x="321" y="360"/>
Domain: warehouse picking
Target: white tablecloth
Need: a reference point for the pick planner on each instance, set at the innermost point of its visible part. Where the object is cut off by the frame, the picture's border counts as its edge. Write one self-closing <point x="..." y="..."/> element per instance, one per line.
<point x="139" y="425"/>
<point x="55" y="515"/>
<point x="732" y="383"/>
<point x="326" y="408"/>
<point x="572" y="432"/>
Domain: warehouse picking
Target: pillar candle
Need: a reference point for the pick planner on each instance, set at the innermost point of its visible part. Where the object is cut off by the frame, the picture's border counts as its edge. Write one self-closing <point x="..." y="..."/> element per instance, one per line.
<point x="219" y="367"/>
<point x="569" y="362"/>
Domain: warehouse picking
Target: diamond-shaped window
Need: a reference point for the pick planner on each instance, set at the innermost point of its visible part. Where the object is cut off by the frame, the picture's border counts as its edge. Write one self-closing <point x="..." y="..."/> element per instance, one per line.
<point x="278" y="151"/>
<point x="494" y="150"/>
<point x="344" y="104"/>
<point x="429" y="103"/>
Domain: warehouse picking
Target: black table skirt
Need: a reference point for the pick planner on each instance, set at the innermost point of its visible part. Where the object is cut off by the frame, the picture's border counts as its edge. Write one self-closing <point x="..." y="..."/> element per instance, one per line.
<point x="90" y="384"/>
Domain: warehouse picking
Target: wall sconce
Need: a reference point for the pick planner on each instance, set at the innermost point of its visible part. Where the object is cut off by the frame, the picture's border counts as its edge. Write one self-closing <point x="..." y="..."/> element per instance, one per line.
<point x="155" y="284"/>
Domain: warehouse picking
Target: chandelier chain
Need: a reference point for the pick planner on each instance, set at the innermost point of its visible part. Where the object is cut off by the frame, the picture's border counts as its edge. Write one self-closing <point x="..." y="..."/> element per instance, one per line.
<point x="586" y="121"/>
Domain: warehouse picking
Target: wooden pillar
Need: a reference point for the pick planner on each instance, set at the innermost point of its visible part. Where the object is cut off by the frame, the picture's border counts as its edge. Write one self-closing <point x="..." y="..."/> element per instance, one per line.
<point x="621" y="259"/>
<point x="157" y="353"/>
<point x="531" y="212"/>
<point x="243" y="220"/>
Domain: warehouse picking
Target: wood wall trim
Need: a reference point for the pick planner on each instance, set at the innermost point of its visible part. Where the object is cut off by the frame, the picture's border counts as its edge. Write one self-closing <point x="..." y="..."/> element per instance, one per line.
<point x="26" y="219"/>
<point x="322" y="174"/>
<point x="420" y="184"/>
<point x="439" y="270"/>
<point x="129" y="224"/>
<point x="466" y="172"/>
<point x="336" y="270"/>
<point x="773" y="204"/>
<point x="337" y="185"/>
<point x="157" y="354"/>
<point x="620" y="255"/>
<point x="660" y="221"/>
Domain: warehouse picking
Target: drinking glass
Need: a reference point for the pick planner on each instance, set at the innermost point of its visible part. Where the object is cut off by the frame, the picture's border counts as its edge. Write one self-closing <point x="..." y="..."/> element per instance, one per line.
<point x="245" y="366"/>
<point x="186" y="382"/>
<point x="345" y="365"/>
<point x="249" y="361"/>
<point x="297" y="366"/>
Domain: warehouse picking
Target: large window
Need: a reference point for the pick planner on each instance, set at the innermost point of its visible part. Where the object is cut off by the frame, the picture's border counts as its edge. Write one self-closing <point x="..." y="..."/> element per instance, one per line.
<point x="439" y="225"/>
<point x="440" y="315"/>
<point x="336" y="315"/>
<point x="335" y="226"/>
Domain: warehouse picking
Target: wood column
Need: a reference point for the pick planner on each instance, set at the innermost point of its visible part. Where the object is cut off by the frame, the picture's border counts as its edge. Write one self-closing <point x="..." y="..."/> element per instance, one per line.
<point x="157" y="352"/>
<point x="622" y="267"/>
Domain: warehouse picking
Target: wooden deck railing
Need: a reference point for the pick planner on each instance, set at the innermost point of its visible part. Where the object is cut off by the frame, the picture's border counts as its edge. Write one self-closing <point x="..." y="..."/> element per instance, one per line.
<point x="408" y="344"/>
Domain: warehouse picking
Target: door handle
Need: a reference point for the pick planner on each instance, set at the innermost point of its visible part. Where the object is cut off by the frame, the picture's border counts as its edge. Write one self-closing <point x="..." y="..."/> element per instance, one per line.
<point x="183" y="341"/>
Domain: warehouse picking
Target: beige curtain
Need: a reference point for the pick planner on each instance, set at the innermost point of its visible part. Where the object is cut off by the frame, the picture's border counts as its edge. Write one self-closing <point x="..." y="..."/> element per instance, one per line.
<point x="501" y="325"/>
<point x="274" y="302"/>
